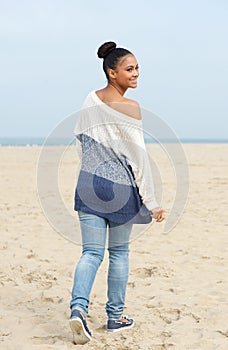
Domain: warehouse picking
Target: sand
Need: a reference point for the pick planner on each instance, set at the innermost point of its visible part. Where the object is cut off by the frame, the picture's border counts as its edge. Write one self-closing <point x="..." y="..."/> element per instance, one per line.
<point x="177" y="290"/>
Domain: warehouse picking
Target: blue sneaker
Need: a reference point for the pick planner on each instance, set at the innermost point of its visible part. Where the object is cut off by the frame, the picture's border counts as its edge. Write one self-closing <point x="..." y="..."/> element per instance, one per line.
<point x="81" y="333"/>
<point x="116" y="326"/>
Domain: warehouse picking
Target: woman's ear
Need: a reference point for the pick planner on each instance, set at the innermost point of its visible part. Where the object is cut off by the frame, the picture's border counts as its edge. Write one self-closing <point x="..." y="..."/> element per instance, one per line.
<point x="112" y="73"/>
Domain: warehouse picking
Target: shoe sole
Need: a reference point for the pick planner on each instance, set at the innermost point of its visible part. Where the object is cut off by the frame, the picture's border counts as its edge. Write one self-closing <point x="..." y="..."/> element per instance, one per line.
<point x="80" y="335"/>
<point x="120" y="329"/>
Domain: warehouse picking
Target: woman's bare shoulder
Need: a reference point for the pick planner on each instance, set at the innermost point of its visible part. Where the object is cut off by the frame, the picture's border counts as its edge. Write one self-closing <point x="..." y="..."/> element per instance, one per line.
<point x="132" y="102"/>
<point x="132" y="108"/>
<point x="122" y="104"/>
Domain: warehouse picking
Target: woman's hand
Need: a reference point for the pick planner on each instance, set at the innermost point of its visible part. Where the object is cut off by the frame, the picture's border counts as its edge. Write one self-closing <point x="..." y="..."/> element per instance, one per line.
<point x="157" y="214"/>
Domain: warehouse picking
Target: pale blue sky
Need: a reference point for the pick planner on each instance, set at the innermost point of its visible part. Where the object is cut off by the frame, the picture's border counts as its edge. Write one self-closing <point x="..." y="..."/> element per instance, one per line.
<point x="48" y="60"/>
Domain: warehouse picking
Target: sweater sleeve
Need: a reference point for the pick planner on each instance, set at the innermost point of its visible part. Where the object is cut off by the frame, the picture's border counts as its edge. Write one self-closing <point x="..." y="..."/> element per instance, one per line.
<point x="134" y="149"/>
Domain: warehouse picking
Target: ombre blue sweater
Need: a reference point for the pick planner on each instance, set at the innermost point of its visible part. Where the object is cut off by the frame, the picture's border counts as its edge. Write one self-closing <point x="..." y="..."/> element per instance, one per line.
<point x="115" y="180"/>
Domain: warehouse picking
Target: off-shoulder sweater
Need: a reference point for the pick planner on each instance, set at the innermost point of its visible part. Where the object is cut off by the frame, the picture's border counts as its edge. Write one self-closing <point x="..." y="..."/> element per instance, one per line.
<point x="115" y="180"/>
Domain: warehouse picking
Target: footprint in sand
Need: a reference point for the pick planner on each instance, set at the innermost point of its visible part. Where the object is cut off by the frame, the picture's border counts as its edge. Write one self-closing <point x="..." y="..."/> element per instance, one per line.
<point x="131" y="284"/>
<point x="144" y="272"/>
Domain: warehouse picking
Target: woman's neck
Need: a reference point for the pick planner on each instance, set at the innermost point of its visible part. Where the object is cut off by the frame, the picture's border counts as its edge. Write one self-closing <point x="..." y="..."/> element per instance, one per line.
<point x="115" y="88"/>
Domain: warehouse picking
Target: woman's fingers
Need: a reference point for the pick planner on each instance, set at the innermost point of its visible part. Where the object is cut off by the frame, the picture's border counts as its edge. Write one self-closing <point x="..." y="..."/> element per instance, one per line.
<point x="158" y="214"/>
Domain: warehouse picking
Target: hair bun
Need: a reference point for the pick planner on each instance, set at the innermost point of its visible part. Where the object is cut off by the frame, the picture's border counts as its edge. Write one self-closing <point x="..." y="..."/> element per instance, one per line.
<point x="105" y="49"/>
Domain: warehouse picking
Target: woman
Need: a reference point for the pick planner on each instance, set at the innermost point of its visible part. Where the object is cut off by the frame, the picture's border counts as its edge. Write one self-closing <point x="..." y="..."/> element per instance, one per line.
<point x="114" y="188"/>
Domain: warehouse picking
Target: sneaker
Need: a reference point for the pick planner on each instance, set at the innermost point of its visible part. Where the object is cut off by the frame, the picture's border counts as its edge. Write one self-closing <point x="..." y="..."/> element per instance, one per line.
<point x="116" y="326"/>
<point x="81" y="333"/>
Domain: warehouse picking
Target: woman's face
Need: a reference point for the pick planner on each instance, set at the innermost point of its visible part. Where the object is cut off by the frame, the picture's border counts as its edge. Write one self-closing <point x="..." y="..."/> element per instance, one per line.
<point x="126" y="72"/>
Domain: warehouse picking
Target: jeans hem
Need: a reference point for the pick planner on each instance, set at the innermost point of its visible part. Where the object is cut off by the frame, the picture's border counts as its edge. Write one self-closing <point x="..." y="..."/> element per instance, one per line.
<point x="115" y="318"/>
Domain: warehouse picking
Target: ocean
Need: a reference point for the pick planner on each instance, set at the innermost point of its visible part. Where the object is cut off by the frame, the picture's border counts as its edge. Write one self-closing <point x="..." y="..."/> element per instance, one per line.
<point x="32" y="141"/>
<point x="39" y="141"/>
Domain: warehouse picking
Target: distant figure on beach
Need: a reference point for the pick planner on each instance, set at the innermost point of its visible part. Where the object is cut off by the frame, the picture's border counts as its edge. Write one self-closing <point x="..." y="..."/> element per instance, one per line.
<point x="114" y="189"/>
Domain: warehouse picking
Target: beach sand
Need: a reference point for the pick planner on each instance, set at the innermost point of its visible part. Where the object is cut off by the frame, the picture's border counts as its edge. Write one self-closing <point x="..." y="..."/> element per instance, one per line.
<point x="177" y="290"/>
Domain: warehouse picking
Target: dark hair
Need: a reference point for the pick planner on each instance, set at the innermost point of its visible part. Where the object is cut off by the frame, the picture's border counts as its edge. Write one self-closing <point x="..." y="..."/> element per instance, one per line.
<point x="111" y="55"/>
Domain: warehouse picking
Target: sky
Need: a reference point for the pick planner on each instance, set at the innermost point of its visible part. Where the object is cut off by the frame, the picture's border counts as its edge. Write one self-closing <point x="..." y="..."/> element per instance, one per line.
<point x="48" y="61"/>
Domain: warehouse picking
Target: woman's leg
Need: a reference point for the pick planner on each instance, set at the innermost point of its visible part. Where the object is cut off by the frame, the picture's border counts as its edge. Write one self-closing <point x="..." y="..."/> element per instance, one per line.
<point x="93" y="229"/>
<point x="118" y="272"/>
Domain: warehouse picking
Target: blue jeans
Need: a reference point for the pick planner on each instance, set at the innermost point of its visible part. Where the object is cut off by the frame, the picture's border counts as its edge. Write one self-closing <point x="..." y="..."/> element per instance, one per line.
<point x="94" y="229"/>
